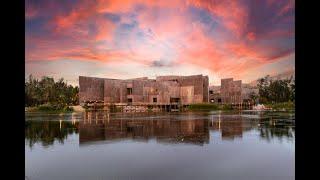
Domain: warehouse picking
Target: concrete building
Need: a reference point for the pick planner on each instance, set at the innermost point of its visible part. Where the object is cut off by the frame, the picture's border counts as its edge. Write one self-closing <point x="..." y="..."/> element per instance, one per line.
<point x="231" y="91"/>
<point x="214" y="94"/>
<point x="162" y="91"/>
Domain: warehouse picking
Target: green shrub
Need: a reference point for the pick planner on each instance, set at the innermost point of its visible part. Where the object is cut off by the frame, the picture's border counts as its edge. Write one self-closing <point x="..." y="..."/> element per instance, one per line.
<point x="281" y="106"/>
<point x="209" y="107"/>
<point x="203" y="107"/>
<point x="54" y="108"/>
<point x="68" y="109"/>
<point x="226" y="107"/>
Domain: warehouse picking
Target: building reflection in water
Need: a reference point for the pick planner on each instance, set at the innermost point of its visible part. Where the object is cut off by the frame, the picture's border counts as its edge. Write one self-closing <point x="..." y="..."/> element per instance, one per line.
<point x="189" y="128"/>
<point x="229" y="127"/>
<point x="99" y="126"/>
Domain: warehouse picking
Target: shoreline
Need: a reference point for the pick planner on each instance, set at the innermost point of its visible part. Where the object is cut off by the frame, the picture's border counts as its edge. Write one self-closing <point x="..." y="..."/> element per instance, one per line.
<point x="77" y="108"/>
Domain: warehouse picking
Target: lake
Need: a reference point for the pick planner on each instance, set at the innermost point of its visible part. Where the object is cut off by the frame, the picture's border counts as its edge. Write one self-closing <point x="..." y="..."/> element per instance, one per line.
<point x="188" y="145"/>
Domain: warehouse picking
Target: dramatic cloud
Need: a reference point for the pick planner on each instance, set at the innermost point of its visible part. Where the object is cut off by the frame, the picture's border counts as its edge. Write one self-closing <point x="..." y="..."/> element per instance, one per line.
<point x="222" y="38"/>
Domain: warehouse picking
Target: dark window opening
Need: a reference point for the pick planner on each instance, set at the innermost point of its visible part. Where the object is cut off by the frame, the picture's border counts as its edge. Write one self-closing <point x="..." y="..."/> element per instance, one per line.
<point x="219" y="100"/>
<point x="154" y="99"/>
<point x="129" y="91"/>
<point x="130" y="100"/>
<point x="174" y="100"/>
<point x="210" y="92"/>
<point x="174" y="80"/>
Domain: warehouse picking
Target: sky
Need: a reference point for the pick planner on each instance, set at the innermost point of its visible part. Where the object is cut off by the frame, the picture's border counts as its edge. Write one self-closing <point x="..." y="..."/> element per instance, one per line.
<point x="240" y="39"/>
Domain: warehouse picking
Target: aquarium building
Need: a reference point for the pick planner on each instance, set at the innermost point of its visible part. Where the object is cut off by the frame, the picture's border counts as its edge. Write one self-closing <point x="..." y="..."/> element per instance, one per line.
<point x="162" y="92"/>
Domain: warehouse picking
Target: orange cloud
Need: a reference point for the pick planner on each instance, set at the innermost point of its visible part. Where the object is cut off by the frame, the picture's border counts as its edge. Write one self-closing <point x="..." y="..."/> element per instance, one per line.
<point x="105" y="30"/>
<point x="111" y="6"/>
<point x="77" y="22"/>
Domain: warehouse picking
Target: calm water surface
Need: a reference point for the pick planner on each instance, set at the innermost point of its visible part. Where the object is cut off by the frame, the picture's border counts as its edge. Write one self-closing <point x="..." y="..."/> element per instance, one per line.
<point x="214" y="145"/>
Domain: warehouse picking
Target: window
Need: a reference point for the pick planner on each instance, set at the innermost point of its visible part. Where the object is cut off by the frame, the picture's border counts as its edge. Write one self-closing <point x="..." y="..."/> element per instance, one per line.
<point x="174" y="100"/>
<point x="129" y="91"/>
<point x="210" y="92"/>
<point x="154" y="100"/>
<point x="130" y="100"/>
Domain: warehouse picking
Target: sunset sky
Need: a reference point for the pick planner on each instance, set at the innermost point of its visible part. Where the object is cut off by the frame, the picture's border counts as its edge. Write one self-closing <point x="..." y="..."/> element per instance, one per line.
<point x="244" y="39"/>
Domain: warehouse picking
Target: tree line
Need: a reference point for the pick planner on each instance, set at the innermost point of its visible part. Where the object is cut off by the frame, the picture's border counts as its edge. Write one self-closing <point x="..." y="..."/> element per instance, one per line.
<point x="47" y="91"/>
<point x="276" y="91"/>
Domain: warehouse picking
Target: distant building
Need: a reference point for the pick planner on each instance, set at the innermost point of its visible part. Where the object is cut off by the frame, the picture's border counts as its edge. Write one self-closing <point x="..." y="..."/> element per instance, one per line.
<point x="164" y="90"/>
<point x="231" y="91"/>
<point x="214" y="94"/>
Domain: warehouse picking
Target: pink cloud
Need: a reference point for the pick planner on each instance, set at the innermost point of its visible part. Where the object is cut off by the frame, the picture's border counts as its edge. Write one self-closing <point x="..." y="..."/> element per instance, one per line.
<point x="251" y="36"/>
<point x="105" y="30"/>
<point x="77" y="23"/>
<point x="287" y="7"/>
<point x="168" y="29"/>
<point x="234" y="15"/>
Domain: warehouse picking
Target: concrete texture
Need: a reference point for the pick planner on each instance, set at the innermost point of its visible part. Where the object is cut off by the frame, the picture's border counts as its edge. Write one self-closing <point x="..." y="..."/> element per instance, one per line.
<point x="163" y="90"/>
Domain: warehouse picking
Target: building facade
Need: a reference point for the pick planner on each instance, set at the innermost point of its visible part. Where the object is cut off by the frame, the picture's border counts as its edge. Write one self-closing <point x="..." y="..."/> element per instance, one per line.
<point x="231" y="91"/>
<point x="164" y="90"/>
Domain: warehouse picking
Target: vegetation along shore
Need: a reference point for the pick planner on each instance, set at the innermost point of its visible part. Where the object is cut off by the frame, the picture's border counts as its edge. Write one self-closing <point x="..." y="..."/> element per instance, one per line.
<point x="46" y="95"/>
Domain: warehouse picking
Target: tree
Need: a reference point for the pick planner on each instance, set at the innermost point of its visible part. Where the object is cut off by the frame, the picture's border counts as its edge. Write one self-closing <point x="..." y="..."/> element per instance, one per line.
<point x="293" y="91"/>
<point x="47" y="91"/>
<point x="253" y="96"/>
<point x="276" y="91"/>
<point x="263" y="85"/>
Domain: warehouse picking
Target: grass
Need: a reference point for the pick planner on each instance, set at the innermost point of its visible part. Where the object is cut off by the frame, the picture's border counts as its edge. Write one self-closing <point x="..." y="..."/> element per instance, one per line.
<point x="209" y="107"/>
<point x="281" y="106"/>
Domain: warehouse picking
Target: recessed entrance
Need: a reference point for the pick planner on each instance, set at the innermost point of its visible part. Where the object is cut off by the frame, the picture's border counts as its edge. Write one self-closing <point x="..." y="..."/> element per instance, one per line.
<point x="129" y="91"/>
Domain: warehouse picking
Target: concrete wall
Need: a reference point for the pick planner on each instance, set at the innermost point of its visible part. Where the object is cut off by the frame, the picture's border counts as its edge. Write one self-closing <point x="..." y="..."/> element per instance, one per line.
<point x="187" y="94"/>
<point x="205" y="88"/>
<point x="189" y="89"/>
<point x="112" y="90"/>
<point x="91" y="89"/>
<point x="231" y="91"/>
<point x="193" y="89"/>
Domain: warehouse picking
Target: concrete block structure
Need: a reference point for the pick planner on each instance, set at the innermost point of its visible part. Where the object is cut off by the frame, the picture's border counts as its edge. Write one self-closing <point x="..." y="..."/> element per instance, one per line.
<point x="164" y="90"/>
<point x="214" y="94"/>
<point x="231" y="91"/>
